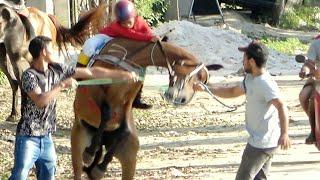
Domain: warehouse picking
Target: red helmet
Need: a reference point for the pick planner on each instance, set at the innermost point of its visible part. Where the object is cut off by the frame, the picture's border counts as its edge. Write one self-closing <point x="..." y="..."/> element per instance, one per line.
<point x="124" y="10"/>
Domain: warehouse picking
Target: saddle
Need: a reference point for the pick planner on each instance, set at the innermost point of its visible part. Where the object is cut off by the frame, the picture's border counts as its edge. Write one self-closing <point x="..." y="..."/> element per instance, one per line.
<point x="91" y="53"/>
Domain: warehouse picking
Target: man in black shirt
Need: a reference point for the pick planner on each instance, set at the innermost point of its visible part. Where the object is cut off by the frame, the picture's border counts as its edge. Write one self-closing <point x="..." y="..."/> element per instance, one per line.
<point x="40" y="85"/>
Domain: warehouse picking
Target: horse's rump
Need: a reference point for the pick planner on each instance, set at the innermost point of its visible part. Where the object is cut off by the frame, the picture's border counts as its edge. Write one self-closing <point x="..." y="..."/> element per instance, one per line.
<point x="41" y="23"/>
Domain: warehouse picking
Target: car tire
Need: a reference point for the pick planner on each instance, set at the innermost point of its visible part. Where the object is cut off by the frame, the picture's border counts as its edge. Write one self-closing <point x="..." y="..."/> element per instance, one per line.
<point x="277" y="12"/>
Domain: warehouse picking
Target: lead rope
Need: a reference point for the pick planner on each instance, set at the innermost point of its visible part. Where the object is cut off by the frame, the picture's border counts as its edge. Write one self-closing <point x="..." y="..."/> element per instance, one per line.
<point x="232" y="108"/>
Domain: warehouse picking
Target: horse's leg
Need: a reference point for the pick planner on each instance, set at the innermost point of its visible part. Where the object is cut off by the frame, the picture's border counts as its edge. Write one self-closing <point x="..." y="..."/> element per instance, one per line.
<point x="120" y="137"/>
<point x="127" y="155"/>
<point x="80" y="139"/>
<point x="18" y="65"/>
<point x="88" y="154"/>
<point x="97" y="159"/>
<point x="13" y="83"/>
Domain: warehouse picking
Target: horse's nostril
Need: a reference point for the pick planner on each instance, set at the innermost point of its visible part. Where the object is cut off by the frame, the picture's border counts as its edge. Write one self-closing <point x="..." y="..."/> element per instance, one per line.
<point x="183" y="100"/>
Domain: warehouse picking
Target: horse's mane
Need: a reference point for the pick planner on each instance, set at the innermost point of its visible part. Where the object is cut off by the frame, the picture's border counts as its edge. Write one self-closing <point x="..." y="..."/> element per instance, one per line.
<point x="75" y="35"/>
<point x="28" y="26"/>
<point x="172" y="51"/>
<point x="178" y="53"/>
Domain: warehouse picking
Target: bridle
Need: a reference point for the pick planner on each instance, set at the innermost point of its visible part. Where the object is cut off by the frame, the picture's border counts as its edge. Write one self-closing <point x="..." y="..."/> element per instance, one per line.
<point x="173" y="74"/>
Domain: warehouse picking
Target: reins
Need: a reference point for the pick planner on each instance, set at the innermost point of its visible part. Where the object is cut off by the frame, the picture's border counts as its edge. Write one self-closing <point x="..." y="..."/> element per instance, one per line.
<point x="232" y="108"/>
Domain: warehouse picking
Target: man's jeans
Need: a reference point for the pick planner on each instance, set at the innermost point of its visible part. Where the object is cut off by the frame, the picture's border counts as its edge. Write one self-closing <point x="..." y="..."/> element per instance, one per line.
<point x="255" y="163"/>
<point x="38" y="150"/>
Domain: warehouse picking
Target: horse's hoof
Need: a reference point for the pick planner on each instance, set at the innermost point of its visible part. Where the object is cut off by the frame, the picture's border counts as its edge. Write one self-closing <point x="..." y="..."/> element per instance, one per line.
<point x="87" y="158"/>
<point x="97" y="173"/>
<point x="12" y="119"/>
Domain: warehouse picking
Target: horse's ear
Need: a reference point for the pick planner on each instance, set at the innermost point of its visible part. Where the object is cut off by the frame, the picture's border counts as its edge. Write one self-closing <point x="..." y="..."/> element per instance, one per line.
<point x="214" y="67"/>
<point x="165" y="39"/>
<point x="6" y="14"/>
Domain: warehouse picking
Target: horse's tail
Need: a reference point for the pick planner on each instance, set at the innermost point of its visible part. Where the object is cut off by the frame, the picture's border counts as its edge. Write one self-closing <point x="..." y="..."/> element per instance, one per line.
<point x="78" y="33"/>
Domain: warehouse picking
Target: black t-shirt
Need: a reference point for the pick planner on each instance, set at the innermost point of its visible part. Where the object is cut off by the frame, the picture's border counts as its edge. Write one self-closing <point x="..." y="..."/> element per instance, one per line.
<point x="37" y="121"/>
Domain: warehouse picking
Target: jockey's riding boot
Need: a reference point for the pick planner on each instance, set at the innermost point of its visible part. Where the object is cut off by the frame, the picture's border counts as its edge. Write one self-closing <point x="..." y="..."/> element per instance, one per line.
<point x="140" y="104"/>
<point x="311" y="139"/>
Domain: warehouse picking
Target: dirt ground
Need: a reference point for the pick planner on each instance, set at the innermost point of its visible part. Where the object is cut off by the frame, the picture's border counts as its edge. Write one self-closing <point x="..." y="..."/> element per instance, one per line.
<point x="197" y="141"/>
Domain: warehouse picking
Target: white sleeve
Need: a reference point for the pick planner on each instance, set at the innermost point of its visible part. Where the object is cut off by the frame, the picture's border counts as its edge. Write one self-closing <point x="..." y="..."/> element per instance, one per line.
<point x="269" y="90"/>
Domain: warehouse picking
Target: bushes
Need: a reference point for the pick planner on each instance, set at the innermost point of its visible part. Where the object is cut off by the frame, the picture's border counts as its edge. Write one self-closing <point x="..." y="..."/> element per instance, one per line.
<point x="152" y="10"/>
<point x="289" y="46"/>
<point x="302" y="18"/>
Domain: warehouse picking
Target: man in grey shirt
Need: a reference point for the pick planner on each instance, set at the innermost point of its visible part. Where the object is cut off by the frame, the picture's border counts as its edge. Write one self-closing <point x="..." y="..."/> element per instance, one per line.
<point x="265" y="117"/>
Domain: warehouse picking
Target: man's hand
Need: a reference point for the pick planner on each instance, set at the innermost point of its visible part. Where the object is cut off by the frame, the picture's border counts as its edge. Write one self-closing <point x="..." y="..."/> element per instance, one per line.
<point x="134" y="77"/>
<point x="68" y="83"/>
<point x="284" y="141"/>
<point x="130" y="76"/>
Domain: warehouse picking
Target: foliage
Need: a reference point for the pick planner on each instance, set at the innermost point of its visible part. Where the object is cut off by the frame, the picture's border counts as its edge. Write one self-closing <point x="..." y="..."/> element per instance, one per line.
<point x="2" y="78"/>
<point x="301" y="18"/>
<point x="152" y="10"/>
<point x="287" y="46"/>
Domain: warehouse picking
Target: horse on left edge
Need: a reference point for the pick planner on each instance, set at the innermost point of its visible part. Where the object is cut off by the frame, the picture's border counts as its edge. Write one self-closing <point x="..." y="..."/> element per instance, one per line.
<point x="16" y="30"/>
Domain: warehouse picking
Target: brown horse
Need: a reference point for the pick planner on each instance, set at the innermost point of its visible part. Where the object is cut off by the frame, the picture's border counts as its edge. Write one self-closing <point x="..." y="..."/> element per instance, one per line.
<point x="16" y="30"/>
<point x="103" y="113"/>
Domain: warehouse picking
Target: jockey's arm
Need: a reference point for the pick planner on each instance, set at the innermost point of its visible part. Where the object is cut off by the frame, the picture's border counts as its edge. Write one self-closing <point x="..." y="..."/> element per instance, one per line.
<point x="99" y="73"/>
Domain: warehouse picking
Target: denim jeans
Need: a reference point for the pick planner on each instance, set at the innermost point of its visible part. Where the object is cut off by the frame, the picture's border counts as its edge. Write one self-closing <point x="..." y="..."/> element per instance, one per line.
<point x="38" y="150"/>
<point x="255" y="163"/>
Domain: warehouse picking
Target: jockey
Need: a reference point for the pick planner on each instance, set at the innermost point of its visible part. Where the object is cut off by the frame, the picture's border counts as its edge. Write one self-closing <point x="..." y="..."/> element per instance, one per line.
<point x="127" y="25"/>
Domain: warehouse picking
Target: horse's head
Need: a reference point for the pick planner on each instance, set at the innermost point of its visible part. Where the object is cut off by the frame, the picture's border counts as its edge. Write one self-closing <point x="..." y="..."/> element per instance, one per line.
<point x="184" y="71"/>
<point x="7" y="17"/>
<point x="184" y="68"/>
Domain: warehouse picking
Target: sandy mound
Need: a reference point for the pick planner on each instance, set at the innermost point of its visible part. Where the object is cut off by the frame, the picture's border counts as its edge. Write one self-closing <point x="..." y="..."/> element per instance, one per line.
<point x="214" y="45"/>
